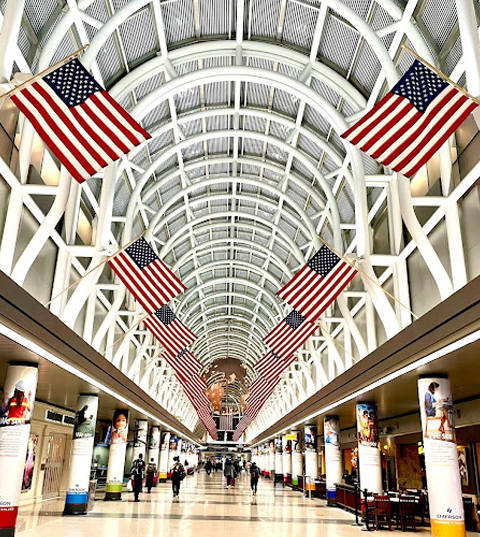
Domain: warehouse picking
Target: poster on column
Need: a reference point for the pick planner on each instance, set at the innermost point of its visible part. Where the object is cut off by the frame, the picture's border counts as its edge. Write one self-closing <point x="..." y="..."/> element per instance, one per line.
<point x="310" y="438"/>
<point x="141" y="427"/>
<point x="81" y="455"/>
<point x="441" y="457"/>
<point x="15" y="415"/>
<point x="154" y="444"/>
<point x="333" y="455"/>
<point x="369" y="447"/>
<point x="116" y="457"/>
<point x="163" y="464"/>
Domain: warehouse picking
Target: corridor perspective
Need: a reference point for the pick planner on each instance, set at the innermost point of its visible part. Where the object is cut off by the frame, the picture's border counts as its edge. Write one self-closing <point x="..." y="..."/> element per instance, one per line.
<point x="239" y="239"/>
<point x="205" y="508"/>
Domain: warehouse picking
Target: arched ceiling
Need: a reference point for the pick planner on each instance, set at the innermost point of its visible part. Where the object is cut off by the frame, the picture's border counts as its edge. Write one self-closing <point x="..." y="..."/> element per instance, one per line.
<point x="245" y="101"/>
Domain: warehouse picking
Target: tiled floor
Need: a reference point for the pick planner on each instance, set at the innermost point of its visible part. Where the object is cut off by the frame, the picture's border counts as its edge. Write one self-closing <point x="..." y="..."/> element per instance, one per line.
<point x="205" y="509"/>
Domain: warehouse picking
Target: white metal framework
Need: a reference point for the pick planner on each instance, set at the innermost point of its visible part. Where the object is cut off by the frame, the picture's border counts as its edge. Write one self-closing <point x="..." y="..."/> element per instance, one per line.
<point x="245" y="101"/>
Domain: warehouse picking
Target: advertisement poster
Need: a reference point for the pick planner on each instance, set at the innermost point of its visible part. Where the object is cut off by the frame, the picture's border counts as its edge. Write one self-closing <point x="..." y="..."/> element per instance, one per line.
<point x="368" y="434"/>
<point x="441" y="457"/>
<point x="15" y="415"/>
<point x="296" y="438"/>
<point x="287" y="456"/>
<point x="81" y="455"/>
<point x="116" y="457"/>
<point x="311" y="438"/>
<point x="30" y="462"/>
<point x="140" y="443"/>
<point x="172" y="452"/>
<point x="154" y="445"/>
<point x="163" y="464"/>
<point x="333" y="455"/>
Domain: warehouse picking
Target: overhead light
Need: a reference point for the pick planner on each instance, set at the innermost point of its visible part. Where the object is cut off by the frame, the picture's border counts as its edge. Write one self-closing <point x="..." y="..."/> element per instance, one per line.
<point x="30" y="345"/>
<point x="452" y="347"/>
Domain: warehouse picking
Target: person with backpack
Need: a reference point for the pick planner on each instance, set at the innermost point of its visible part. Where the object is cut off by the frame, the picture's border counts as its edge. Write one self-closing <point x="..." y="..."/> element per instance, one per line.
<point x="229" y="472"/>
<point x="178" y="473"/>
<point x="136" y="474"/>
<point x="254" y="475"/>
<point x="151" y="471"/>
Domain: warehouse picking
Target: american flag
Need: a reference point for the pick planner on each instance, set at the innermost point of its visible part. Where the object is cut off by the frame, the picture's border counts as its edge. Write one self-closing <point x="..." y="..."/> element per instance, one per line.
<point x="167" y="328"/>
<point x="149" y="280"/>
<point x="289" y="335"/>
<point x="410" y="124"/>
<point x="271" y="366"/>
<point x="184" y="363"/>
<point x="318" y="283"/>
<point x="78" y="120"/>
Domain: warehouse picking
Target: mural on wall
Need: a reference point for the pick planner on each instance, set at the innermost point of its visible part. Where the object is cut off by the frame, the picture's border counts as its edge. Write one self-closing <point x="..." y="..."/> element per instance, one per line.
<point x="408" y="467"/>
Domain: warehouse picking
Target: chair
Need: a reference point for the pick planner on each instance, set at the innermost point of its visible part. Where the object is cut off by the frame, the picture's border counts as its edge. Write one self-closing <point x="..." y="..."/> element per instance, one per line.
<point x="406" y="511"/>
<point x="382" y="509"/>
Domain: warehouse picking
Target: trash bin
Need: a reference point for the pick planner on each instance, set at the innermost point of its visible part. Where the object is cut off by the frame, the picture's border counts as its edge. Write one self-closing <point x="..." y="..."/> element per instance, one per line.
<point x="92" y="489"/>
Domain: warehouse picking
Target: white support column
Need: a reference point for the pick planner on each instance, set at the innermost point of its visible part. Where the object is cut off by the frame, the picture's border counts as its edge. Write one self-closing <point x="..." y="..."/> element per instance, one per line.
<point x="9" y="37"/>
<point x="470" y="44"/>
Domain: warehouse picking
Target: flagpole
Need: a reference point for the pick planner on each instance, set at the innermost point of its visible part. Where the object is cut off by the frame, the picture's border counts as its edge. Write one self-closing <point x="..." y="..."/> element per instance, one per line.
<point x="439" y="73"/>
<point x="95" y="268"/>
<point x="368" y="277"/>
<point x="126" y="333"/>
<point x="325" y="331"/>
<point x="47" y="70"/>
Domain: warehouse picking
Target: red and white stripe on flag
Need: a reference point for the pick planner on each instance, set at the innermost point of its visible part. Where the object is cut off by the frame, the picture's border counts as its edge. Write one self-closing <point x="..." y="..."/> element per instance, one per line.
<point x="80" y="123"/>
<point x="289" y="335"/>
<point x="270" y="367"/>
<point x="149" y="280"/>
<point x="174" y="337"/>
<point x="318" y="283"/>
<point x="410" y="124"/>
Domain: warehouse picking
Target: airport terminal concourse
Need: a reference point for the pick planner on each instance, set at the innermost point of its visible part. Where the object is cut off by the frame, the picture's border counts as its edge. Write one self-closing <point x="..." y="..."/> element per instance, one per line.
<point x="239" y="267"/>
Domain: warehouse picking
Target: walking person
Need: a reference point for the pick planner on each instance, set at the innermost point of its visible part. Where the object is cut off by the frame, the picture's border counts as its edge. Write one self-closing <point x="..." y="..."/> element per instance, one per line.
<point x="136" y="474"/>
<point x="151" y="472"/>
<point x="178" y="473"/>
<point x="254" y="475"/>
<point x="229" y="472"/>
<point x="208" y="467"/>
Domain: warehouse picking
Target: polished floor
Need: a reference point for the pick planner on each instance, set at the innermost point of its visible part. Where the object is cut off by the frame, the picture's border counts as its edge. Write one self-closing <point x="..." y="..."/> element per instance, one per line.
<point x="205" y="509"/>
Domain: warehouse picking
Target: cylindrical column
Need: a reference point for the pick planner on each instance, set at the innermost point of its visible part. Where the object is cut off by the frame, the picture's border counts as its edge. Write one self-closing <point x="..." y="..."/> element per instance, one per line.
<point x="172" y="453"/>
<point x="140" y="442"/>
<point x="154" y="445"/>
<point x="297" y="459"/>
<point x="163" y="464"/>
<point x="81" y="455"/>
<point x="370" y="463"/>
<point x="311" y="457"/>
<point x="15" y="414"/>
<point x="279" y="458"/>
<point x="333" y="456"/>
<point x="287" y="460"/>
<point x="116" y="457"/>
<point x="441" y="458"/>
<point x="271" y="459"/>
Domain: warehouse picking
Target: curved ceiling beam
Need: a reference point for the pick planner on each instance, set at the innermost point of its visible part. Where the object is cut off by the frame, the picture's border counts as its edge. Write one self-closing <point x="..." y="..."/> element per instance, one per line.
<point x="157" y="223"/>
<point x="240" y="245"/>
<point x="227" y="281"/>
<point x="208" y="311"/>
<point x="227" y="215"/>
<point x="257" y="303"/>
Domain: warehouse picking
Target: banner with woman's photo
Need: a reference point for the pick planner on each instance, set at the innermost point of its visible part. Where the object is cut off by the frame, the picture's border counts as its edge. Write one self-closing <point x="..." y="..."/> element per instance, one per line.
<point x="333" y="455"/>
<point x="116" y="457"/>
<point x="15" y="415"/>
<point x="441" y="457"/>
